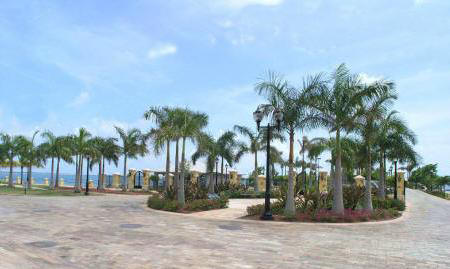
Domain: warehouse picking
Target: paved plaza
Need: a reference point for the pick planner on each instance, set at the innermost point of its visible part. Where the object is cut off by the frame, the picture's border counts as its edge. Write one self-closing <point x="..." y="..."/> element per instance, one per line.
<point x="118" y="231"/>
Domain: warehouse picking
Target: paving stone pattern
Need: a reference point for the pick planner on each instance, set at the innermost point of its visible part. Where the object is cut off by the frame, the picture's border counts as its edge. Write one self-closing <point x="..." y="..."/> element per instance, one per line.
<point x="118" y="231"/>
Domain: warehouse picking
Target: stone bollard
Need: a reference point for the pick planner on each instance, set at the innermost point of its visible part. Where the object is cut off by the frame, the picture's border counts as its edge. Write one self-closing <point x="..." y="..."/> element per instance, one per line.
<point x="146" y="174"/>
<point x="323" y="184"/>
<point x="18" y="181"/>
<point x="261" y="179"/>
<point x="131" y="178"/>
<point x="61" y="182"/>
<point x="46" y="181"/>
<point x="234" y="178"/>
<point x="170" y="183"/>
<point x="194" y="177"/>
<point x="116" y="180"/>
<point x="359" y="181"/>
<point x="401" y="186"/>
<point x="91" y="184"/>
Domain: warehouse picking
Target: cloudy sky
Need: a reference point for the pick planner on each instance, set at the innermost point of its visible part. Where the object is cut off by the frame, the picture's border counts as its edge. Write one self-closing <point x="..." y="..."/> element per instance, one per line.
<point x="66" y="64"/>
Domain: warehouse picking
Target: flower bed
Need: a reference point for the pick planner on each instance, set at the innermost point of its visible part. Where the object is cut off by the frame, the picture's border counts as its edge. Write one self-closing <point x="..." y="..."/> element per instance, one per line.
<point x="160" y="203"/>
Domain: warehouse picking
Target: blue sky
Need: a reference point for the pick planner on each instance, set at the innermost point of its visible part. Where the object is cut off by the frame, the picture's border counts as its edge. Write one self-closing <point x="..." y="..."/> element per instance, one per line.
<point x="66" y="64"/>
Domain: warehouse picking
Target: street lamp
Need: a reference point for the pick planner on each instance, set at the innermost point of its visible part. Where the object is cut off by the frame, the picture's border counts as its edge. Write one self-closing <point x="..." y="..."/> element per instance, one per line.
<point x="275" y="121"/>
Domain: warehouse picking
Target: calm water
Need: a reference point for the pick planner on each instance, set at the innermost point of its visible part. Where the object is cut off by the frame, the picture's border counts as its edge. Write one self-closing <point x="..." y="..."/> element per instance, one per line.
<point x="69" y="179"/>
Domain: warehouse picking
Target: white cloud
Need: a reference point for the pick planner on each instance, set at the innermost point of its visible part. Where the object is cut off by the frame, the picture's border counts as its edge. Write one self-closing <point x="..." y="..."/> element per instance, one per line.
<point x="161" y="51"/>
<point x="225" y="23"/>
<point x="238" y="4"/>
<point x="368" y="79"/>
<point x="80" y="100"/>
<point x="421" y="2"/>
<point x="242" y="39"/>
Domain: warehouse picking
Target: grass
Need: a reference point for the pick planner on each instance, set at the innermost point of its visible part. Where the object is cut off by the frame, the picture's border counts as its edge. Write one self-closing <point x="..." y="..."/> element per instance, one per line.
<point x="39" y="191"/>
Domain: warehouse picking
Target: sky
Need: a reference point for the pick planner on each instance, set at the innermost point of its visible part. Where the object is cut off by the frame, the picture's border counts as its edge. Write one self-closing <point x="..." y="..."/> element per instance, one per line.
<point x="102" y="63"/>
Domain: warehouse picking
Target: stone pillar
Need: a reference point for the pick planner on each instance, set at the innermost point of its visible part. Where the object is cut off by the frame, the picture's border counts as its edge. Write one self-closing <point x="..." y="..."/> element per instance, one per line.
<point x="146" y="174"/>
<point x="401" y="186"/>
<point x="116" y="180"/>
<point x="18" y="180"/>
<point x="323" y="184"/>
<point x="234" y="178"/>
<point x="359" y="181"/>
<point x="46" y="181"/>
<point x="91" y="184"/>
<point x="194" y="177"/>
<point x="33" y="182"/>
<point x="261" y="183"/>
<point x="131" y="178"/>
<point x="61" y="182"/>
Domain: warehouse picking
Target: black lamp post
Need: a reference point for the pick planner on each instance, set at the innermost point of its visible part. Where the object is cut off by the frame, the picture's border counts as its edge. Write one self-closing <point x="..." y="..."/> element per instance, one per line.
<point x="395" y="180"/>
<point x="87" y="177"/>
<point x="276" y="118"/>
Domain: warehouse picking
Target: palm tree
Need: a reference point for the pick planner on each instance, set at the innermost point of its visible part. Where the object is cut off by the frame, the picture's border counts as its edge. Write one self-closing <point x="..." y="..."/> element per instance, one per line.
<point x="63" y="151"/>
<point x="80" y="145"/>
<point x="207" y="147"/>
<point x="134" y="144"/>
<point x="369" y="115"/>
<point x="163" y="134"/>
<point x="32" y="155"/>
<point x="389" y="127"/>
<point x="50" y="145"/>
<point x="190" y="127"/>
<point x="334" y="107"/>
<point x="293" y="103"/>
<point x="256" y="142"/>
<point x="108" y="151"/>
<point x="11" y="147"/>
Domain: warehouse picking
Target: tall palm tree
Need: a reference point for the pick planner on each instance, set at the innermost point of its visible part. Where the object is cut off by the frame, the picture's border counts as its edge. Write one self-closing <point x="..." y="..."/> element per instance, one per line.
<point x="134" y="144"/>
<point x="63" y="151"/>
<point x="191" y="127"/>
<point x="390" y="126"/>
<point x="163" y="134"/>
<point x="11" y="147"/>
<point x="369" y="114"/>
<point x="32" y="155"/>
<point x="50" y="144"/>
<point x="207" y="147"/>
<point x="293" y="103"/>
<point x="108" y="151"/>
<point x="334" y="107"/>
<point x="80" y="144"/>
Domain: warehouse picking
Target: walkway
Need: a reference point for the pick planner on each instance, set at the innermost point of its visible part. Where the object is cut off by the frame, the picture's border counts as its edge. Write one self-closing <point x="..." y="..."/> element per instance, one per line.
<point x="118" y="231"/>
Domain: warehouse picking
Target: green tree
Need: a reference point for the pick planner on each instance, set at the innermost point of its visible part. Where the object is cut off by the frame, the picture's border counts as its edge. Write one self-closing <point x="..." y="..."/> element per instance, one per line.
<point x="11" y="146"/>
<point x="134" y="144"/>
<point x="50" y="145"/>
<point x="32" y="155"/>
<point x="368" y="116"/>
<point x="80" y="145"/>
<point x="294" y="104"/>
<point x="63" y="151"/>
<point x="191" y="127"/>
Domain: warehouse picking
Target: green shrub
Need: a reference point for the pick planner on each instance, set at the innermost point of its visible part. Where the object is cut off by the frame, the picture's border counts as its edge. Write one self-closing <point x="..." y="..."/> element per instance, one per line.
<point x="206" y="204"/>
<point x="276" y="207"/>
<point x="352" y="196"/>
<point x="160" y="203"/>
<point x="170" y="193"/>
<point x="387" y="204"/>
<point x="195" y="192"/>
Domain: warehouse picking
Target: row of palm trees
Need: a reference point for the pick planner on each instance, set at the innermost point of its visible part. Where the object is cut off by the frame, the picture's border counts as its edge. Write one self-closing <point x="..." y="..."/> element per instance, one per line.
<point x="365" y="131"/>
<point x="355" y="113"/>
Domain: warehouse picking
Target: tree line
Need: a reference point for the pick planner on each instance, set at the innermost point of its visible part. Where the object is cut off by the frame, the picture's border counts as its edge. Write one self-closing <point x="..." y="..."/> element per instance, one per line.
<point x="364" y="131"/>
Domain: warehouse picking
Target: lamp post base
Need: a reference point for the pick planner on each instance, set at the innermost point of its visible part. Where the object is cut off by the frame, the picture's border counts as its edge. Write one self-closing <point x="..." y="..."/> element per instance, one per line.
<point x="266" y="216"/>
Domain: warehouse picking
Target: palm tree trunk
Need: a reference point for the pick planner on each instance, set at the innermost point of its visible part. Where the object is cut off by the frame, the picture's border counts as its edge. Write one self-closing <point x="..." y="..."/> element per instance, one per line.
<point x="125" y="170"/>
<point x="381" y="189"/>
<point x="103" y="171"/>
<point x="338" y="199"/>
<point x="10" y="178"/>
<point x="57" y="174"/>
<point x="368" y="192"/>
<point x="181" y="198"/>
<point x="76" y="169"/>
<point x="290" y="202"/>
<point x="255" y="176"/>
<point x="21" y="174"/>
<point x="221" y="170"/>
<point x="177" y="164"/>
<point x="211" y="182"/>
<point x="51" y="176"/>
<point x="166" y="181"/>
<point x="30" y="177"/>
<point x="100" y="179"/>
<point x="80" y="183"/>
